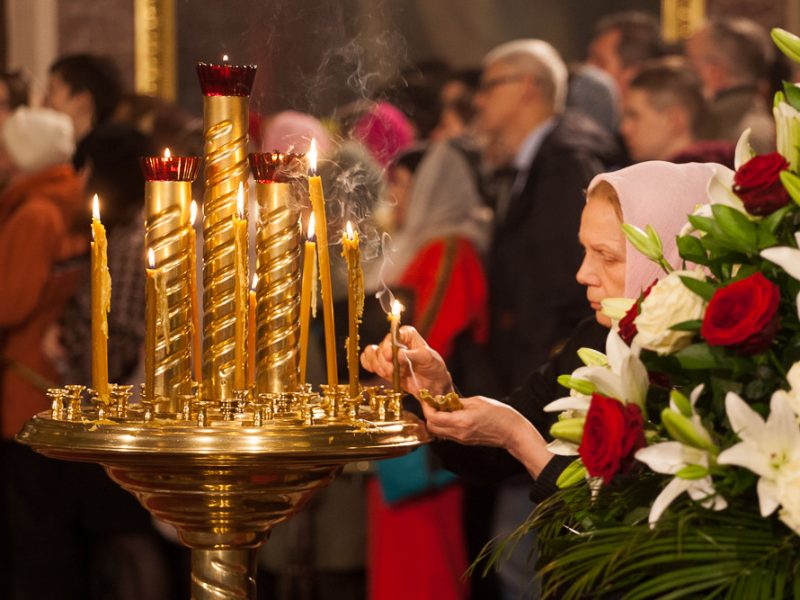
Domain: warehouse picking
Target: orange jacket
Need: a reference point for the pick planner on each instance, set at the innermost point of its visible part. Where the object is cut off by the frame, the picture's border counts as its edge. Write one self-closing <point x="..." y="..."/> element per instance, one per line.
<point x="37" y="217"/>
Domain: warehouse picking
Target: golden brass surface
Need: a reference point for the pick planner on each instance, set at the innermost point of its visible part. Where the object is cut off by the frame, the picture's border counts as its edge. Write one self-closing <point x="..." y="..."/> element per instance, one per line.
<point x="278" y="291"/>
<point x="681" y="18"/>
<point x="167" y="205"/>
<point x="225" y="167"/>
<point x="154" y="41"/>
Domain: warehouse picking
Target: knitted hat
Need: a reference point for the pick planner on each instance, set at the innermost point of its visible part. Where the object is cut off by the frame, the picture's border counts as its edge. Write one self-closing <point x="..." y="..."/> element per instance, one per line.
<point x="36" y="138"/>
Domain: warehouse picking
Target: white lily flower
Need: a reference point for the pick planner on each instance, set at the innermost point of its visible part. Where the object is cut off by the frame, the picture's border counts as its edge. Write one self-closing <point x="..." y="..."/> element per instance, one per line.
<point x="616" y="308"/>
<point x="563" y="448"/>
<point x="574" y="401"/>
<point x="786" y="257"/>
<point x="792" y="396"/>
<point x="744" y="151"/>
<point x="766" y="447"/>
<point x="669" y="458"/>
<point x="787" y="130"/>
<point x="720" y="191"/>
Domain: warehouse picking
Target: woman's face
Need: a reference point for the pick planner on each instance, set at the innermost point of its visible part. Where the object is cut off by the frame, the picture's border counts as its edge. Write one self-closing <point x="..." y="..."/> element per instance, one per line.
<point x="603" y="268"/>
<point x="400" y="182"/>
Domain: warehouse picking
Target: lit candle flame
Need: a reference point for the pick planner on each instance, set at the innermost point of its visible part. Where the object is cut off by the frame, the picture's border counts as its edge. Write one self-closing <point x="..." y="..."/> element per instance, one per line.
<point x="255" y="281"/>
<point x="312" y="157"/>
<point x="397" y="308"/>
<point x="192" y="213"/>
<point x="224" y="58"/>
<point x="96" y="208"/>
<point x="349" y="231"/>
<point x="311" y="224"/>
<point x="151" y="258"/>
<point x="240" y="201"/>
<point x="167" y="153"/>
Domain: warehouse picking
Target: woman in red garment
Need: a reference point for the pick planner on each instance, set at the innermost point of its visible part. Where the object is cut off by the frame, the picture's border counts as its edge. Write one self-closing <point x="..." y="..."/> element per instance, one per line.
<point x="416" y="544"/>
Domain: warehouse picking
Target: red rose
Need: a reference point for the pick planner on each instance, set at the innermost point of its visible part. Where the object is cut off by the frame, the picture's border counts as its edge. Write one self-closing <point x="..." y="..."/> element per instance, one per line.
<point x="627" y="327"/>
<point x="758" y="184"/>
<point x="612" y="433"/>
<point x="743" y="314"/>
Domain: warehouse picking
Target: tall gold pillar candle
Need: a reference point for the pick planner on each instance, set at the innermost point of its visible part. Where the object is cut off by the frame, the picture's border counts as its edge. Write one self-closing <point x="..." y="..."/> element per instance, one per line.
<point x="241" y="291"/>
<point x="251" y="334"/>
<point x="101" y="304"/>
<point x="197" y="329"/>
<point x="307" y="296"/>
<point x="318" y="206"/>
<point x="394" y="326"/>
<point x="278" y="268"/>
<point x="169" y="234"/>
<point x="150" y="326"/>
<point x="226" y="89"/>
<point x="355" y="302"/>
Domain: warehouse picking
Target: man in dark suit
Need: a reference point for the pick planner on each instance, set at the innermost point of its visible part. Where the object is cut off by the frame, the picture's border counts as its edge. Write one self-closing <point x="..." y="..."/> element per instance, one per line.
<point x="535" y="301"/>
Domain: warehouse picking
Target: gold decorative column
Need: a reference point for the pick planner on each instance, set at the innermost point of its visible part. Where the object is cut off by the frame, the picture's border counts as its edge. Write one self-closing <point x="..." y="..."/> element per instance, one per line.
<point x="226" y="90"/>
<point x="681" y="18"/>
<point x="278" y="270"/>
<point x="154" y="33"/>
<point x="168" y="197"/>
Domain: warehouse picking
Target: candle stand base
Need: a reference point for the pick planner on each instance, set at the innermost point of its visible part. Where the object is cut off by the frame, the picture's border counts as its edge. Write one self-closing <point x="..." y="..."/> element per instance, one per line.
<point x="221" y="483"/>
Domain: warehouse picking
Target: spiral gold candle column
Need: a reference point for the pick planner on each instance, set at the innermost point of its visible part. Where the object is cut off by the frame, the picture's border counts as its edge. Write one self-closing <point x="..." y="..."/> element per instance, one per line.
<point x="278" y="292"/>
<point x="168" y="196"/>
<point x="225" y="121"/>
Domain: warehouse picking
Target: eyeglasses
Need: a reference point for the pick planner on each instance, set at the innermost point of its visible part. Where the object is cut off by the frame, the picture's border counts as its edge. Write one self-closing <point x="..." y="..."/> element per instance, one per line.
<point x="490" y="84"/>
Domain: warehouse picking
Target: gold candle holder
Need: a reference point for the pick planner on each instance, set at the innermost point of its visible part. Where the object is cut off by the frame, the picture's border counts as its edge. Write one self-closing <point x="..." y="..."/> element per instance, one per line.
<point x="226" y="90"/>
<point x="278" y="270"/>
<point x="168" y="197"/>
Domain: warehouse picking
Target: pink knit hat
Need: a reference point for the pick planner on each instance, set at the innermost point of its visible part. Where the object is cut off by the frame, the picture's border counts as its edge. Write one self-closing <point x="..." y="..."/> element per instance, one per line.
<point x="385" y="131"/>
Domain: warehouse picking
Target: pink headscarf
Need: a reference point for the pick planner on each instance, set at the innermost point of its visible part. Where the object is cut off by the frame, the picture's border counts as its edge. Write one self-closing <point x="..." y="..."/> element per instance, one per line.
<point x="385" y="131"/>
<point x="291" y="131"/>
<point x="660" y="194"/>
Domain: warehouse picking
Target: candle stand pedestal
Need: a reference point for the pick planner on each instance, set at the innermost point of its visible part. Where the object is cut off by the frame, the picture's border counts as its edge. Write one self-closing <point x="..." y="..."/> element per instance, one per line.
<point x="221" y="482"/>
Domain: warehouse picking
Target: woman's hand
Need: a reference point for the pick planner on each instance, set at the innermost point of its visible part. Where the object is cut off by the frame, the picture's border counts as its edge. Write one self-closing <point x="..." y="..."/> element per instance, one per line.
<point x="487" y="422"/>
<point x="421" y="367"/>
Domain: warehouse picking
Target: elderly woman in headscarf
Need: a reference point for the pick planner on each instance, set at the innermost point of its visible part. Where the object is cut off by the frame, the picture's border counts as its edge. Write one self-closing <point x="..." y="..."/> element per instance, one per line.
<point x="653" y="193"/>
<point x="440" y="232"/>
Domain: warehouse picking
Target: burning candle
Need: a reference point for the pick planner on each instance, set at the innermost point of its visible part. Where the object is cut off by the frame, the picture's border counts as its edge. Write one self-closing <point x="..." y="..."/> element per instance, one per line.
<point x="355" y="301"/>
<point x="240" y="291"/>
<point x="251" y="337"/>
<point x="318" y="205"/>
<point x="308" y="296"/>
<point x="150" y="323"/>
<point x="197" y="331"/>
<point x="101" y="304"/>
<point x="394" y="321"/>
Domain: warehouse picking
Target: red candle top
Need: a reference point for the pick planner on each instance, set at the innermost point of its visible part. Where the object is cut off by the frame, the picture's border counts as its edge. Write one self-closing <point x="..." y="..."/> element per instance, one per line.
<point x="280" y="167"/>
<point x="169" y="168"/>
<point x="225" y="79"/>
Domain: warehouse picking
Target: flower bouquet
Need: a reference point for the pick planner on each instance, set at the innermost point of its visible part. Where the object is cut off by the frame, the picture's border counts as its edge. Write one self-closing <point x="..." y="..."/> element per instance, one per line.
<point x="686" y="431"/>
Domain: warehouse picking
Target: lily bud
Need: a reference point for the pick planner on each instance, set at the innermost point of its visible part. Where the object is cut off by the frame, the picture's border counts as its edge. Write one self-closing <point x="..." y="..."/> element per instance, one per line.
<point x="788" y="43"/>
<point x="569" y="430"/>
<point x="574" y="473"/>
<point x="682" y="430"/>
<point x="592" y="358"/>
<point x="646" y="242"/>
<point x="579" y="385"/>
<point x="692" y="472"/>
<point x="681" y="403"/>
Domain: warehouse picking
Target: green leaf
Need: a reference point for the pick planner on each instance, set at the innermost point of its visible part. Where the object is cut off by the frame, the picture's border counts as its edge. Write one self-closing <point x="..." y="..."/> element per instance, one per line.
<point x="574" y="474"/>
<point x="697" y="357"/>
<point x="702" y="288"/>
<point x="771" y="222"/>
<point x="792" y="93"/>
<point x="579" y="385"/>
<point x="736" y="226"/>
<point x="705" y="224"/>
<point x="788" y="43"/>
<point x="692" y="249"/>
<point x="692" y="325"/>
<point x="792" y="184"/>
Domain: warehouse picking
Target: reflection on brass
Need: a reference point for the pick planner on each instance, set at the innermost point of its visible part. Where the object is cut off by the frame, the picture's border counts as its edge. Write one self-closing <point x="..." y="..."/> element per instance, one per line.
<point x="225" y="167"/>
<point x="681" y="18"/>
<point x="167" y="233"/>
<point x="447" y="403"/>
<point x="155" y="58"/>
<point x="278" y="291"/>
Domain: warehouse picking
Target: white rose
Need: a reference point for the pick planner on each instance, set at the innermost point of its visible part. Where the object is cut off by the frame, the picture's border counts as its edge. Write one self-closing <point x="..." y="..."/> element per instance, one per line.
<point x="669" y="303"/>
<point x="789" y="496"/>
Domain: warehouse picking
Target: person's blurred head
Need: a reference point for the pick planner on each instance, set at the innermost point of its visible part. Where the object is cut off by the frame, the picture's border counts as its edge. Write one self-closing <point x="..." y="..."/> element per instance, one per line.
<point x="622" y="41"/>
<point x="113" y="171"/>
<point x="292" y="131"/>
<point x="13" y="93"/>
<point x="662" y="109"/>
<point x="384" y="130"/>
<point x="655" y="193"/>
<point x="401" y="179"/>
<point x="37" y="138"/>
<point x="730" y="52"/>
<point x="456" y="104"/>
<point x="85" y="87"/>
<point x="524" y="83"/>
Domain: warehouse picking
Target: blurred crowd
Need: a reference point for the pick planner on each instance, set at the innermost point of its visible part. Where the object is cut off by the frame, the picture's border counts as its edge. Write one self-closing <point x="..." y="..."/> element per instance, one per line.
<point x="479" y="178"/>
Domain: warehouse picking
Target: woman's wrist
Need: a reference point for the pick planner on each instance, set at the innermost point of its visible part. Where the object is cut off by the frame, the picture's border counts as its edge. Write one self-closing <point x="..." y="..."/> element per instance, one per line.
<point x="529" y="447"/>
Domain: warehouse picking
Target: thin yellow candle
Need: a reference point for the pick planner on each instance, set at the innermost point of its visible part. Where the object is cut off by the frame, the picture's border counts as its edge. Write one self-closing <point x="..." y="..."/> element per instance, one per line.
<point x="318" y="205"/>
<point x="394" y="321"/>
<point x="355" y="302"/>
<point x="307" y="295"/>
<point x="150" y="324"/>
<point x="241" y="293"/>
<point x="101" y="304"/>
<point x="251" y="334"/>
<point x="197" y="331"/>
